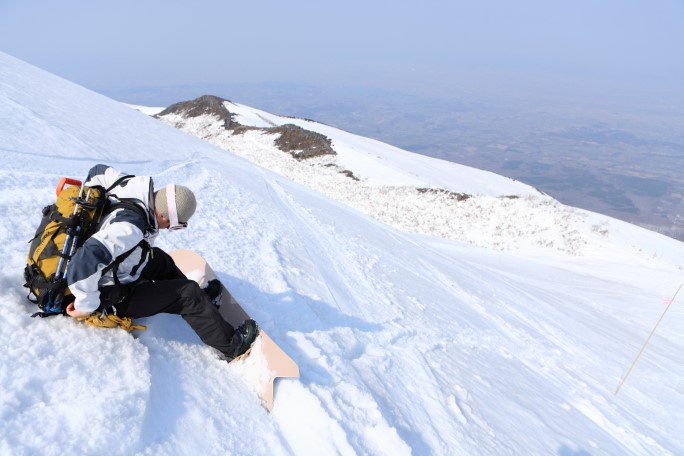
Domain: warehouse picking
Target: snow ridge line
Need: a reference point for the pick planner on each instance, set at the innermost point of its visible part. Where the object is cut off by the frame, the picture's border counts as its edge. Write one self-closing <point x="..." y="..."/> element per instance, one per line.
<point x="500" y="223"/>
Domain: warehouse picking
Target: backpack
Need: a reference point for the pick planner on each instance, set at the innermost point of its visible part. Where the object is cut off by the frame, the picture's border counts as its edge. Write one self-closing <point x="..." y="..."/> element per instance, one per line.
<point x="64" y="228"/>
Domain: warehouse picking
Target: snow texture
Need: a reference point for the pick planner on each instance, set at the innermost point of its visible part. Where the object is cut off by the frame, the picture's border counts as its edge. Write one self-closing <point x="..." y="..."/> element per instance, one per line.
<point x="506" y="333"/>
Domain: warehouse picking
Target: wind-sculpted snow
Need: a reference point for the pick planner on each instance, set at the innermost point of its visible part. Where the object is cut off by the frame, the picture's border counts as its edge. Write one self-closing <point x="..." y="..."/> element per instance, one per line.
<point x="408" y="344"/>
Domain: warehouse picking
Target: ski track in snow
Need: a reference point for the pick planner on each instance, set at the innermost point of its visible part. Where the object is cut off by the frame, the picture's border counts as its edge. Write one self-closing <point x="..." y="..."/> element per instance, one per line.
<point x="407" y="343"/>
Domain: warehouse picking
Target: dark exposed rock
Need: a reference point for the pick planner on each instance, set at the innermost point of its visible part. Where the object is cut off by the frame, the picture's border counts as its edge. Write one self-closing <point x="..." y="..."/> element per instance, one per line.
<point x="349" y="174"/>
<point x="297" y="141"/>
<point x="204" y="105"/>
<point x="447" y="193"/>
<point x="238" y="129"/>
<point x="346" y="172"/>
<point x="301" y="143"/>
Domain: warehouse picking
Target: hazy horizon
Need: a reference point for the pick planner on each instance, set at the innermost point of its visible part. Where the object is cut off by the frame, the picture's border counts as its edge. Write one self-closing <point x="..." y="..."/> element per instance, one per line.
<point x="410" y="46"/>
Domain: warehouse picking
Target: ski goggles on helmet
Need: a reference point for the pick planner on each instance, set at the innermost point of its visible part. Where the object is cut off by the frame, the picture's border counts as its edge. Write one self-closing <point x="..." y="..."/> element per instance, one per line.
<point x="174" y="224"/>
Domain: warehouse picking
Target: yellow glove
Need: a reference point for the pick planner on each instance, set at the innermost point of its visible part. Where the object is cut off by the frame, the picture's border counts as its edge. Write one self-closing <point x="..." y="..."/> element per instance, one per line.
<point x="111" y="321"/>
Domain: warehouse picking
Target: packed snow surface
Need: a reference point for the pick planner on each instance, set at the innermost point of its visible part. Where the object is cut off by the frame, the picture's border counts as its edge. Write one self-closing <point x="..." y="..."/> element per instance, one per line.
<point x="407" y="343"/>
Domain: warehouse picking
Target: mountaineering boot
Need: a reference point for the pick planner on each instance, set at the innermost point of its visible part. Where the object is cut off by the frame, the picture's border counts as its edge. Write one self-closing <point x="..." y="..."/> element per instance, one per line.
<point x="246" y="333"/>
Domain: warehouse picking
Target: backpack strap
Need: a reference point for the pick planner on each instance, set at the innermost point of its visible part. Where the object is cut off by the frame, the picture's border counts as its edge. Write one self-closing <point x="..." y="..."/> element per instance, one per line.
<point x="134" y="205"/>
<point x="114" y="266"/>
<point x="118" y="182"/>
<point x="131" y="203"/>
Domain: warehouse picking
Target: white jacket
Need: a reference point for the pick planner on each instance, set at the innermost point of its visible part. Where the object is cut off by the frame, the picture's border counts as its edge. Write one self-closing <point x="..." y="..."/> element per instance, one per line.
<point x="119" y="231"/>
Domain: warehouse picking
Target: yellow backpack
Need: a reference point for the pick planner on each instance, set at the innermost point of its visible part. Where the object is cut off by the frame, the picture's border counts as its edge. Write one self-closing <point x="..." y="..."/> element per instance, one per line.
<point x="65" y="226"/>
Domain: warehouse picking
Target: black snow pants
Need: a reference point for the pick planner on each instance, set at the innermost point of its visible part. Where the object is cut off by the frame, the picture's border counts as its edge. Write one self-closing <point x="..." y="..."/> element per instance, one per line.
<point x="163" y="288"/>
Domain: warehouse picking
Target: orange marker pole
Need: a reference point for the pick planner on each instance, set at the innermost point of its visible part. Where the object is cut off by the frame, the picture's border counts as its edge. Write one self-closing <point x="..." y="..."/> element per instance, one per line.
<point x="624" y="379"/>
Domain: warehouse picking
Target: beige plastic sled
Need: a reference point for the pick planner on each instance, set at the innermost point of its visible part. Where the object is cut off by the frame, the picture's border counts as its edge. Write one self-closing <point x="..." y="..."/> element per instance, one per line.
<point x="265" y="361"/>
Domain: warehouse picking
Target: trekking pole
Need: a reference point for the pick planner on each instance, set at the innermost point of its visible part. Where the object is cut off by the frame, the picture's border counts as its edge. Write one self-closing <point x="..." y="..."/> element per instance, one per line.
<point x="624" y="379"/>
<point x="54" y="303"/>
<point x="74" y="242"/>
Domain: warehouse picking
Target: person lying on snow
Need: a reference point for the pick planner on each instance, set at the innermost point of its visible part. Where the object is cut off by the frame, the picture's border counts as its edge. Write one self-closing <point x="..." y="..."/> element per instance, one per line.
<point x="117" y="269"/>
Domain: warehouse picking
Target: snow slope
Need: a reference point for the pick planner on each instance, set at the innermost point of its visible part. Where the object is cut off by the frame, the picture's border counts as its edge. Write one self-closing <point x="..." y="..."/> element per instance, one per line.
<point x="407" y="343"/>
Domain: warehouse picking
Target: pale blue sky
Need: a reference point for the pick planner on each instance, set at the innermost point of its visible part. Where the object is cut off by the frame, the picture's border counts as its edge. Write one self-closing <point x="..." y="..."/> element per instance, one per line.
<point x="400" y="44"/>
